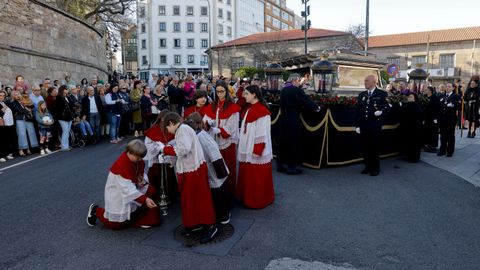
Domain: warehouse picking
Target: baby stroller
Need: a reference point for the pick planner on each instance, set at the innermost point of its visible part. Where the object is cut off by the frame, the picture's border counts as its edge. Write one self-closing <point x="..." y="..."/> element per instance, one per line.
<point x="75" y="139"/>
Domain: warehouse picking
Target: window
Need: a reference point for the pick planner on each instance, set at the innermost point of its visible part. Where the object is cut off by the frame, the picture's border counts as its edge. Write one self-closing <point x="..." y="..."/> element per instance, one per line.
<point x="220" y="29"/>
<point x="285" y="15"/>
<point x="447" y="60"/>
<point x="229" y="30"/>
<point x="220" y="41"/>
<point x="220" y="13"/>
<point x="276" y="23"/>
<point x="237" y="62"/>
<point x="276" y="11"/>
<point x="176" y="43"/>
<point x="144" y="60"/>
<point x="161" y="10"/>
<point x="204" y="11"/>
<point x="176" y="27"/>
<point x="269" y="6"/>
<point x="204" y="61"/>
<point x="418" y="60"/>
<point x="163" y="59"/>
<point x="190" y="43"/>
<point x="162" y="26"/>
<point x="189" y="27"/>
<point x="144" y="44"/>
<point x="394" y="60"/>
<point x="269" y="18"/>
<point x="177" y="59"/>
<point x="176" y="10"/>
<point x="229" y="16"/>
<point x="204" y="43"/>
<point x="204" y="27"/>
<point x="163" y="43"/>
<point x="229" y="2"/>
<point x="190" y="10"/>
<point x="141" y="12"/>
<point x="191" y="59"/>
<point x="142" y="28"/>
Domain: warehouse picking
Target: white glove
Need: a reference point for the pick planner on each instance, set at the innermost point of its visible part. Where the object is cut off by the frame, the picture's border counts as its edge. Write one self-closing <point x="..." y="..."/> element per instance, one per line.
<point x="435" y="121"/>
<point x="161" y="159"/>
<point x="211" y="122"/>
<point x="357" y="130"/>
<point x="400" y="103"/>
<point x="450" y="105"/>
<point x="378" y="113"/>
<point x="216" y="130"/>
<point x="318" y="109"/>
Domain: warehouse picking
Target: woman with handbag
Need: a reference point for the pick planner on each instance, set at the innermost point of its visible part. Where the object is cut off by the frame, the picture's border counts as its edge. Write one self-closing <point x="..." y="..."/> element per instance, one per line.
<point x="24" y="125"/>
<point x="148" y="105"/>
<point x="64" y="115"/>
<point x="7" y="129"/>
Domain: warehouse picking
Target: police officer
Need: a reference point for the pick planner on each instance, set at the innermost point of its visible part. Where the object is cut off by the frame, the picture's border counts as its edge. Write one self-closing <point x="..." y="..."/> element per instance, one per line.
<point x="371" y="108"/>
<point x="449" y="103"/>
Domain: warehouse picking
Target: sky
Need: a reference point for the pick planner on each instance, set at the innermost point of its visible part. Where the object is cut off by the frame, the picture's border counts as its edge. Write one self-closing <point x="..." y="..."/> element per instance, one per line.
<point x="390" y="17"/>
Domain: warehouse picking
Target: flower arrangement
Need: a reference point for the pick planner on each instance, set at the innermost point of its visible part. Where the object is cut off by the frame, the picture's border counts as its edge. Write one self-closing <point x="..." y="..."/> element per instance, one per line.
<point x="327" y="100"/>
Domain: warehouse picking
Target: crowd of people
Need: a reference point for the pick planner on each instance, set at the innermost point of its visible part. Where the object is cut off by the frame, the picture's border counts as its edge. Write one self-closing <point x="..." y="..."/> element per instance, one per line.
<point x="41" y="117"/>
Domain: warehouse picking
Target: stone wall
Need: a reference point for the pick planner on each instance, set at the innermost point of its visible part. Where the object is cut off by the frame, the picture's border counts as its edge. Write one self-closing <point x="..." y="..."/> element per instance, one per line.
<point x="38" y="41"/>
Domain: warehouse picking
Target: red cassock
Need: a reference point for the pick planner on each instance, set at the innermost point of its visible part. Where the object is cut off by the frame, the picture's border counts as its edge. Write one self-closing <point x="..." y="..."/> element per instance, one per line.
<point x="195" y="197"/>
<point x="193" y="109"/>
<point x="123" y="186"/>
<point x="227" y="121"/>
<point x="255" y="181"/>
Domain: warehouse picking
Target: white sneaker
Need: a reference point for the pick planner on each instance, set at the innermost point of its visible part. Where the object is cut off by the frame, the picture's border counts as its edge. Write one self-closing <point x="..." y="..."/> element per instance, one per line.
<point x="10" y="156"/>
<point x="47" y="151"/>
<point x="3" y="160"/>
<point x="42" y="152"/>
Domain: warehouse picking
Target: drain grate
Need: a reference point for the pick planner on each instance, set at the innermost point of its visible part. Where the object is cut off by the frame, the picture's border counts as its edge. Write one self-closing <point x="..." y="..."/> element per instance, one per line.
<point x="224" y="232"/>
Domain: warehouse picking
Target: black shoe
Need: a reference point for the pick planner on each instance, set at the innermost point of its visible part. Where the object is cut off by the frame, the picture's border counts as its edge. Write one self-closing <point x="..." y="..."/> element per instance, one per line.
<point x="212" y="232"/>
<point x="227" y="220"/>
<point x="187" y="232"/>
<point x="365" y="171"/>
<point x="374" y="173"/>
<point x="91" y="217"/>
<point x="473" y="135"/>
<point x="294" y="171"/>
<point x="469" y="135"/>
<point x="431" y="150"/>
<point x="441" y="154"/>
<point x="449" y="155"/>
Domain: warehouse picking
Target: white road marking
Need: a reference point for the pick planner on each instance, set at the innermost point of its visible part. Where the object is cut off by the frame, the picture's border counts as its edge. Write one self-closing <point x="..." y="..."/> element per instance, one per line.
<point x="25" y="161"/>
<point x="294" y="264"/>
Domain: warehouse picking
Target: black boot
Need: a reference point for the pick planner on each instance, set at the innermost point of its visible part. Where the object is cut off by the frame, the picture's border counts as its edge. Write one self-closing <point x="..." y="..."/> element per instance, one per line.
<point x="469" y="135"/>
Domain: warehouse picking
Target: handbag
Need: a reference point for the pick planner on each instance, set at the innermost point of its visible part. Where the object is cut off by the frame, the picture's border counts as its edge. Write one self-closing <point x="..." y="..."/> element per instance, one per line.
<point x="155" y="110"/>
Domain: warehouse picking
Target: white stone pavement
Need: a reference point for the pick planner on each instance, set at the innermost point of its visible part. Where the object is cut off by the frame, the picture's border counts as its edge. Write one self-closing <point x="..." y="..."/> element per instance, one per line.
<point x="465" y="161"/>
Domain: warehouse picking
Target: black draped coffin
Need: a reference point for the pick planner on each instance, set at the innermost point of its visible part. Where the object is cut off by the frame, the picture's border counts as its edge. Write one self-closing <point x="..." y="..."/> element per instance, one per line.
<point x="329" y="138"/>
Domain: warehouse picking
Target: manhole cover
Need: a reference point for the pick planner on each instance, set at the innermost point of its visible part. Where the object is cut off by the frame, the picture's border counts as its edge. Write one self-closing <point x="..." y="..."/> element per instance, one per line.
<point x="224" y="232"/>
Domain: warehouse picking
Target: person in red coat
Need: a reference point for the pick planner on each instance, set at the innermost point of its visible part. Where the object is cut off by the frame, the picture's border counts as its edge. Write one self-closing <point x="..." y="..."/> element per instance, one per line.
<point x="222" y="118"/>
<point x="255" y="181"/>
<point x="200" y="98"/>
<point x="128" y="197"/>
<point x="195" y="196"/>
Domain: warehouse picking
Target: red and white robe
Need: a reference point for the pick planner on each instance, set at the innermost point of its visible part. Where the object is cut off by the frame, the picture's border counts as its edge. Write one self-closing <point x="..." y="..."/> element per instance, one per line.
<point x="255" y="181"/>
<point x="227" y="121"/>
<point x="125" y="197"/>
<point x="192" y="175"/>
<point x="159" y="166"/>
<point x="192" y="109"/>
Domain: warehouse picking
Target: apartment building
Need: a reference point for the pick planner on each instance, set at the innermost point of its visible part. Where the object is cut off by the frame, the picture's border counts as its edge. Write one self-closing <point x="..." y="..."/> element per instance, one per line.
<point x="278" y="16"/>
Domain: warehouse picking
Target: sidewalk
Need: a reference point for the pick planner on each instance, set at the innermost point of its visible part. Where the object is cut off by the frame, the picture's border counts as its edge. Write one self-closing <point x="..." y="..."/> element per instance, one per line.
<point x="465" y="161"/>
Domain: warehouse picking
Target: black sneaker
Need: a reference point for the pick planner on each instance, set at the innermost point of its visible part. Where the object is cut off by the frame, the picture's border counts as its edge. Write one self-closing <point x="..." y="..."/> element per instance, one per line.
<point x="91" y="217"/>
<point x="187" y="232"/>
<point x="212" y="232"/>
<point x="227" y="220"/>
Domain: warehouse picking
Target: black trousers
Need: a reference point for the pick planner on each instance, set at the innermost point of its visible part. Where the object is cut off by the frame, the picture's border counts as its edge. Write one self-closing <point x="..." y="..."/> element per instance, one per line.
<point x="370" y="138"/>
<point x="447" y="138"/>
<point x="221" y="202"/>
<point x="8" y="141"/>
<point x="431" y="134"/>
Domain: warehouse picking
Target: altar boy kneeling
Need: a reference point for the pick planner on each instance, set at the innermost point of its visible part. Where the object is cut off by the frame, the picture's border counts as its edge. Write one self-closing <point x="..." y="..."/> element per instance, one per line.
<point x="128" y="196"/>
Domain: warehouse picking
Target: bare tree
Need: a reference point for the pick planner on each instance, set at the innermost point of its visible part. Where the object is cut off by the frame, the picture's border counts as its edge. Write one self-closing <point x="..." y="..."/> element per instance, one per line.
<point x="271" y="51"/>
<point x="357" y="33"/>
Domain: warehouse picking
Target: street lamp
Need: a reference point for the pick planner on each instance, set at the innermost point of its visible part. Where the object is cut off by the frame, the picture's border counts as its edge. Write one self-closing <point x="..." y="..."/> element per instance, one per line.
<point x="323" y="75"/>
<point x="419" y="78"/>
<point x="274" y="73"/>
<point x="209" y="39"/>
<point x="307" y="24"/>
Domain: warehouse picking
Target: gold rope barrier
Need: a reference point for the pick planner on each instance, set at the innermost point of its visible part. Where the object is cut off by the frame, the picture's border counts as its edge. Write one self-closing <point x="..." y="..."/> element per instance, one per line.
<point x="274" y="121"/>
<point x="317" y="127"/>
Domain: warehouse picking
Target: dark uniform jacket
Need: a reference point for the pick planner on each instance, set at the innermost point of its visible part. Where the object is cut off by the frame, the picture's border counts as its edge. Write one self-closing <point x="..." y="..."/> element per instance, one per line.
<point x="449" y="105"/>
<point x="367" y="106"/>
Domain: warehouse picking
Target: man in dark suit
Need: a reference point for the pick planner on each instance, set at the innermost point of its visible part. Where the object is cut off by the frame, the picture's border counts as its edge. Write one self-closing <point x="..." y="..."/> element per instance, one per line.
<point x="449" y="104"/>
<point x="371" y="107"/>
<point x="92" y="110"/>
<point x="292" y="101"/>
<point x="432" y="113"/>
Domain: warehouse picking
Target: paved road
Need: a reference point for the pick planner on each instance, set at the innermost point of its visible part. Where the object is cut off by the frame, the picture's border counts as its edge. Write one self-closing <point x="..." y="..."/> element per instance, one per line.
<point x="413" y="216"/>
